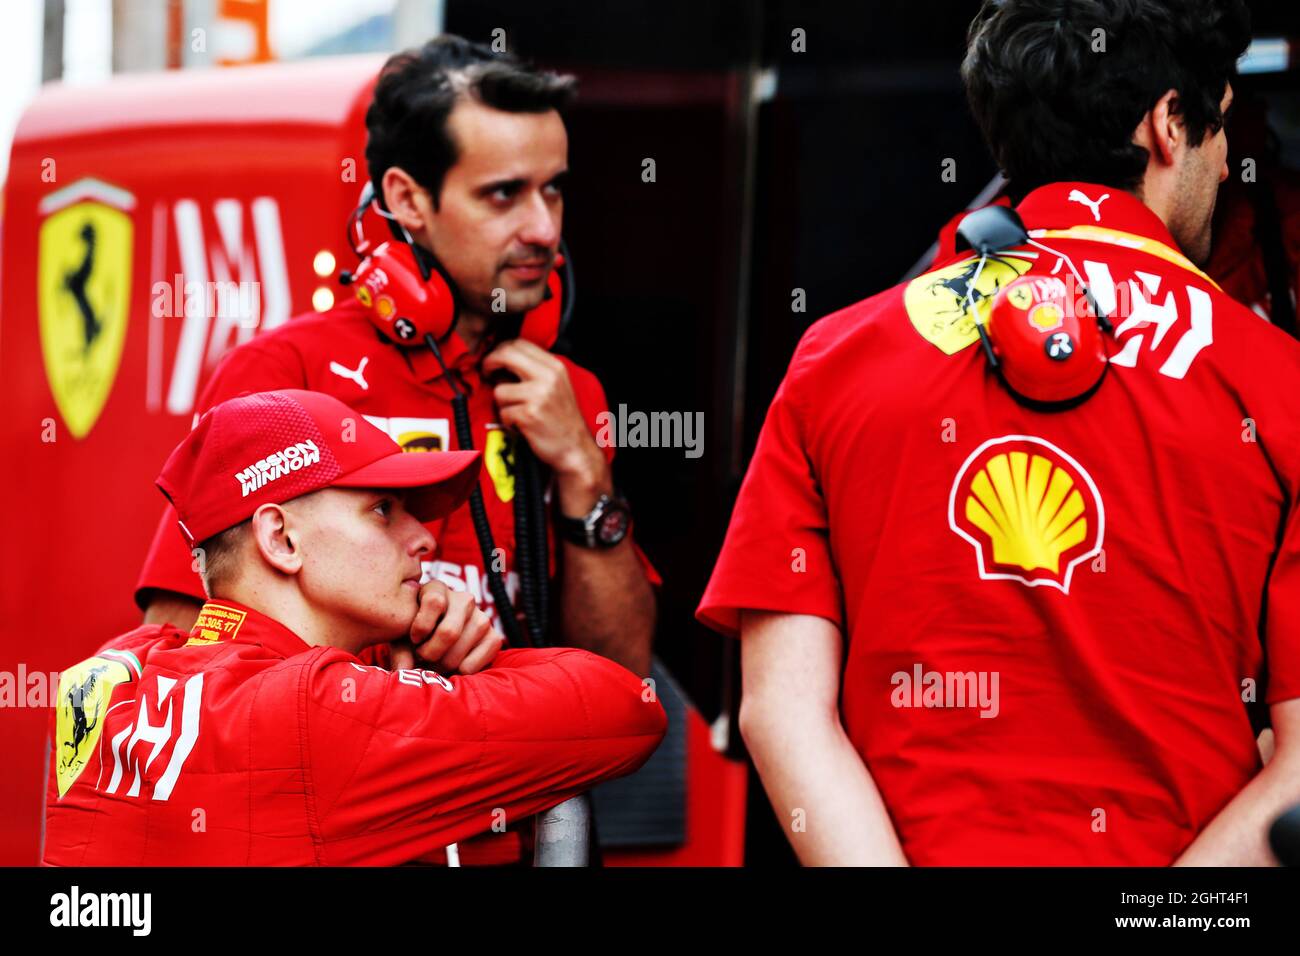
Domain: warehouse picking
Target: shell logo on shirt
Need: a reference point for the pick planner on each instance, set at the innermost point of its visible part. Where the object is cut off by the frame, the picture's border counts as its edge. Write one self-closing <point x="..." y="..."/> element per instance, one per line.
<point x="415" y="434"/>
<point x="1031" y="511"/>
<point x="434" y="434"/>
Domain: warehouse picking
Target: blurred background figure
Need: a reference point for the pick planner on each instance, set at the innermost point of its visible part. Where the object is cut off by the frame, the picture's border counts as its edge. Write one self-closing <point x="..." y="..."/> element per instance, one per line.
<point x="1257" y="219"/>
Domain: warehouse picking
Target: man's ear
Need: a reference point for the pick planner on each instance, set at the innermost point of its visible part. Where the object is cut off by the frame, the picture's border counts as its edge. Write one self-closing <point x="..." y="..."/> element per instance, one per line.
<point x="275" y="539"/>
<point x="1162" y="131"/>
<point x="400" y="192"/>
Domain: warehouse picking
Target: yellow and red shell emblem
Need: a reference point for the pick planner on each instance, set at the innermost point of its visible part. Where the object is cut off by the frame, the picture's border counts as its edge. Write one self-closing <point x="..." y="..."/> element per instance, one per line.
<point x="1031" y="511"/>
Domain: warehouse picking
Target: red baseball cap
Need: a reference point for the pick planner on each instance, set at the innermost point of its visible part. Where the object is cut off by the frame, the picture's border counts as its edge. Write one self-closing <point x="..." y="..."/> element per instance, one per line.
<point x="268" y="447"/>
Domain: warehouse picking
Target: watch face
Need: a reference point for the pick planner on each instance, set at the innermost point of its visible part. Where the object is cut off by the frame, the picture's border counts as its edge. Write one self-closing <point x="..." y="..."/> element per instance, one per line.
<point x="612" y="526"/>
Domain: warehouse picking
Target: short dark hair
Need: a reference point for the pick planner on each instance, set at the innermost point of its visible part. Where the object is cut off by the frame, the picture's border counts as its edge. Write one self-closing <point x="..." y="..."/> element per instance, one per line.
<point x="417" y="90"/>
<point x="1051" y="109"/>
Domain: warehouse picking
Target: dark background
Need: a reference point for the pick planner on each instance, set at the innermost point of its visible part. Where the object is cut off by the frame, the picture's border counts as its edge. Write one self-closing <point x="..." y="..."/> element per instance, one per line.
<point x="775" y="170"/>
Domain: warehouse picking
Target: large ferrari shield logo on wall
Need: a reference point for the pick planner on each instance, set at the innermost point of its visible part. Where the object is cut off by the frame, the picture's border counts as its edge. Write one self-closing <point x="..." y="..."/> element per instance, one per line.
<point x="83" y="296"/>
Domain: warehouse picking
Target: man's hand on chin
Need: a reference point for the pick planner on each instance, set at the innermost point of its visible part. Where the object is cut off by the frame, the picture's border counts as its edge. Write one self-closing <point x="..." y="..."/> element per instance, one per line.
<point x="449" y="634"/>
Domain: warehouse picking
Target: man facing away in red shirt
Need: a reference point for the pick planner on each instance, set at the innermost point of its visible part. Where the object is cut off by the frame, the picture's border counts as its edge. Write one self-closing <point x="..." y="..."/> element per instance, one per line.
<point x="259" y="737"/>
<point x="976" y="630"/>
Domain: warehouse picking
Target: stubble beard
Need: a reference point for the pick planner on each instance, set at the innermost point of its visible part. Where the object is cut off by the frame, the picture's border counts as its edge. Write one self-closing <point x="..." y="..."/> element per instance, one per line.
<point x="1192" y="227"/>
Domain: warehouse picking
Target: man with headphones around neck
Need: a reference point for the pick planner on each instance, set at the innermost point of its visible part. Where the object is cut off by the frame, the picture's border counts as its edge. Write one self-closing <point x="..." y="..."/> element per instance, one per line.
<point x="1016" y="561"/>
<point x="467" y="153"/>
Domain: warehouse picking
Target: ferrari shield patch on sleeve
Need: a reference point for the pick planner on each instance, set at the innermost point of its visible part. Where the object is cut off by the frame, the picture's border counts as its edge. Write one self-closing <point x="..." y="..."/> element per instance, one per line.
<point x="84" y="695"/>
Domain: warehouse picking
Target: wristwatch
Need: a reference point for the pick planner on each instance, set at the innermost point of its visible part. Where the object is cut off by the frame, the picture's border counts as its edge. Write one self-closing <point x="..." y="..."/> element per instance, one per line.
<point x="604" y="526"/>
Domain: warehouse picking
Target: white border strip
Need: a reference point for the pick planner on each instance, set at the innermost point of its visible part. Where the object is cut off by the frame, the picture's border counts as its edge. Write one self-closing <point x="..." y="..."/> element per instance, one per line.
<point x="88" y="188"/>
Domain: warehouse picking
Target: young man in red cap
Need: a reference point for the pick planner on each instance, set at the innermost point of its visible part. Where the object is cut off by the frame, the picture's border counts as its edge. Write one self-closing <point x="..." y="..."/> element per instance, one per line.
<point x="259" y="738"/>
<point x="981" y="627"/>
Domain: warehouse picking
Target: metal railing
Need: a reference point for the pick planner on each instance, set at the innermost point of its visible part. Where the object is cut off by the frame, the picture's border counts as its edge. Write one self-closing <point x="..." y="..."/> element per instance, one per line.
<point x="564" y="834"/>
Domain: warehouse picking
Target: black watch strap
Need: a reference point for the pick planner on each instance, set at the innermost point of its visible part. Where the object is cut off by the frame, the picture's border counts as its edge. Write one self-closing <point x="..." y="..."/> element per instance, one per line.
<point x="604" y="526"/>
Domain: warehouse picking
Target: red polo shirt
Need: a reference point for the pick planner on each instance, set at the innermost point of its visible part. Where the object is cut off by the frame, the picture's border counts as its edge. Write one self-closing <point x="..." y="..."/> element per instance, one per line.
<point x="1052" y="619"/>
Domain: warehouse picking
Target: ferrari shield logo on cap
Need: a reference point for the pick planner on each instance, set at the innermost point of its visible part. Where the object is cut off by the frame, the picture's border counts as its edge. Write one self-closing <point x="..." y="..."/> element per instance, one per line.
<point x="1031" y="511"/>
<point x="84" y="695"/>
<point x="83" y="295"/>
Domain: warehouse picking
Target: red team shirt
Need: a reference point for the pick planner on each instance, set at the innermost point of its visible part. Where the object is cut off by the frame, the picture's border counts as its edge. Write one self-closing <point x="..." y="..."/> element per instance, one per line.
<point x="242" y="745"/>
<point x="1052" y="618"/>
<point x="404" y="393"/>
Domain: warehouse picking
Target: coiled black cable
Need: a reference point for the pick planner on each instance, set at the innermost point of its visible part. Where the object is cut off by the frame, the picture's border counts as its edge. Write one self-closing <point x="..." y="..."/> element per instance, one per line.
<point x="478" y="511"/>
<point x="532" y="546"/>
<point x="532" y="554"/>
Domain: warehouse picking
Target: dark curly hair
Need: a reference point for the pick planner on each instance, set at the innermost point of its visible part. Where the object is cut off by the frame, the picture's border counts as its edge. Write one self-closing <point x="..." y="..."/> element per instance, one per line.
<point x="417" y="89"/>
<point x="1052" y="109"/>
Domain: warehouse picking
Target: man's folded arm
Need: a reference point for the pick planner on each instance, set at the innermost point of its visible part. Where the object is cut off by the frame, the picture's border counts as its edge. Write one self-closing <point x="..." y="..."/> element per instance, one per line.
<point x="820" y="789"/>
<point x="1238" y="835"/>
<point x="445" y="758"/>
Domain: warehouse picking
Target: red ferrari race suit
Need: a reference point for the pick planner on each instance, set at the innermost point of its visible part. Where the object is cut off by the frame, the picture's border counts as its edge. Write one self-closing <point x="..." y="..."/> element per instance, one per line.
<point x="239" y="744"/>
<point x="404" y="393"/>
<point x="1054" y="620"/>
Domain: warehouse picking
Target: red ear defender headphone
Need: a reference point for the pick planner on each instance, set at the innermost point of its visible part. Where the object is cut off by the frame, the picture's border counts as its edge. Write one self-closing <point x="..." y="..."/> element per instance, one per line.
<point x="1046" y="348"/>
<point x="410" y="297"/>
